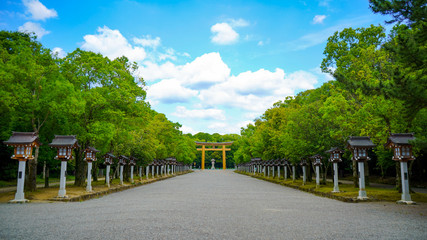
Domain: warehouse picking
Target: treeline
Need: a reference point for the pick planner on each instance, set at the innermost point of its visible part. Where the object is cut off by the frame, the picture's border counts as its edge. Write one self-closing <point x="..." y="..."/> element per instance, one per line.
<point x="85" y="94"/>
<point x="380" y="88"/>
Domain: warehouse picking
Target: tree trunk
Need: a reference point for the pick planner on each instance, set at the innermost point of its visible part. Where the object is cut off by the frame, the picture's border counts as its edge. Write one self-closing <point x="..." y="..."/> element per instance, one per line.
<point x="46" y="179"/>
<point x="31" y="181"/>
<point x="81" y="169"/>
<point x="126" y="173"/>
<point x="355" y="175"/>
<point x="95" y="171"/>
<point x="325" y="173"/>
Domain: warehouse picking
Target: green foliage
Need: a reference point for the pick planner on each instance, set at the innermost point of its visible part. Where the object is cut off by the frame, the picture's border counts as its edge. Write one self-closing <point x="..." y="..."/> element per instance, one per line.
<point x="85" y="94"/>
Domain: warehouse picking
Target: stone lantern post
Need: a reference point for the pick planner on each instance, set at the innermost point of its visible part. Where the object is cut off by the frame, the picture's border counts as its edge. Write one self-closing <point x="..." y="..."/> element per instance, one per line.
<point x="65" y="146"/>
<point x="285" y="169"/>
<point x="359" y="146"/>
<point x="23" y="143"/>
<point x="317" y="162"/>
<point x="132" y="163"/>
<point x="90" y="156"/>
<point x="335" y="158"/>
<point x="213" y="163"/>
<point x="402" y="152"/>
<point x="108" y="161"/>
<point x="122" y="163"/>
<point x="303" y="165"/>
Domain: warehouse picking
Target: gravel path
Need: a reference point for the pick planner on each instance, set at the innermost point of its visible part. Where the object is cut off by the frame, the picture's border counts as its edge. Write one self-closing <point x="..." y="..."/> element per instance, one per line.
<point x="212" y="205"/>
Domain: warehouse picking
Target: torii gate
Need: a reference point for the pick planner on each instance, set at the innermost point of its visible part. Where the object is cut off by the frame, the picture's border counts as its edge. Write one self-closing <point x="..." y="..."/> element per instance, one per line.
<point x="223" y="149"/>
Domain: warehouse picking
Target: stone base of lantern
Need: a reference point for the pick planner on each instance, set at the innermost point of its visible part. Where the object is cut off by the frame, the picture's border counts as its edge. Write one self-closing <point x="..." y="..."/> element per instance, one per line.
<point x="19" y="201"/>
<point x="406" y="202"/>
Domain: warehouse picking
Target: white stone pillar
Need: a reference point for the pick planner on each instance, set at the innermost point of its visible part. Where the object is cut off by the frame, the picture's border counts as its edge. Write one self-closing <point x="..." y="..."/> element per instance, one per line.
<point x="147" y="171"/>
<point x="121" y="174"/>
<point x="278" y="172"/>
<point x="62" y="192"/>
<point x="131" y="173"/>
<point x="406" y="197"/>
<point x="263" y="170"/>
<point x="293" y="172"/>
<point x="157" y="171"/>
<point x="286" y="173"/>
<point x="152" y="171"/>
<point x="272" y="168"/>
<point x="19" y="195"/>
<point x="362" y="191"/>
<point x="303" y="175"/>
<point x="162" y="170"/>
<point x="89" y="177"/>
<point x="107" y="176"/>
<point x="317" y="175"/>
<point x="140" y="171"/>
<point x="336" y="188"/>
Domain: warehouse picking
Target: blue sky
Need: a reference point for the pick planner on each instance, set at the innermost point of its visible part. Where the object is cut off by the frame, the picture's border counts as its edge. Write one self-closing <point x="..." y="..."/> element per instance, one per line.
<point x="213" y="66"/>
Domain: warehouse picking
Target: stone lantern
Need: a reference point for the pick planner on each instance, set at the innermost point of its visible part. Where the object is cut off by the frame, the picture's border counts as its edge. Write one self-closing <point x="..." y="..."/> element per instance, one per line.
<point x="402" y="152"/>
<point x="359" y="146"/>
<point x="90" y="156"/>
<point x="303" y="164"/>
<point x="108" y="161"/>
<point x="317" y="162"/>
<point x="132" y="163"/>
<point x="65" y="146"/>
<point x="23" y="143"/>
<point x="213" y="163"/>
<point x="122" y="162"/>
<point x="335" y="158"/>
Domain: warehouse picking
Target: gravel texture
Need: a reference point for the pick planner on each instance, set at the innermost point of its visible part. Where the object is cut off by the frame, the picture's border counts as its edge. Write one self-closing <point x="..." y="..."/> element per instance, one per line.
<point x="212" y="204"/>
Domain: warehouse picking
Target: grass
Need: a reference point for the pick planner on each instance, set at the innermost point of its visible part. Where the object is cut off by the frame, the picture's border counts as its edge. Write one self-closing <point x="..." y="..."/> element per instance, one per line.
<point x="347" y="191"/>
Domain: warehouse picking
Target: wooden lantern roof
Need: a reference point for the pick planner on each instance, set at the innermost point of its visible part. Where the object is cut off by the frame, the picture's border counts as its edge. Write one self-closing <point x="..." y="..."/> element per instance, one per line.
<point x="23" y="138"/>
<point x="69" y="141"/>
<point x="110" y="155"/>
<point x="396" y="139"/>
<point x="334" y="150"/>
<point x="360" y="142"/>
<point x="91" y="149"/>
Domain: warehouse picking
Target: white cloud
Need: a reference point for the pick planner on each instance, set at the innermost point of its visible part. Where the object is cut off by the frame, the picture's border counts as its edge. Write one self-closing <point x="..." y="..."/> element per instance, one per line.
<point x="203" y="71"/>
<point x="319" y="19"/>
<point x="112" y="44"/>
<point x="59" y="52"/>
<point x="260" y="43"/>
<point x="210" y="113"/>
<point x="169" y="54"/>
<point x="38" y="11"/>
<point x="227" y="128"/>
<point x="151" y="71"/>
<point x="186" y="129"/>
<point x="36" y="28"/>
<point x="224" y="34"/>
<point x="147" y="41"/>
<point x="257" y="91"/>
<point x="239" y="22"/>
<point x="169" y="91"/>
